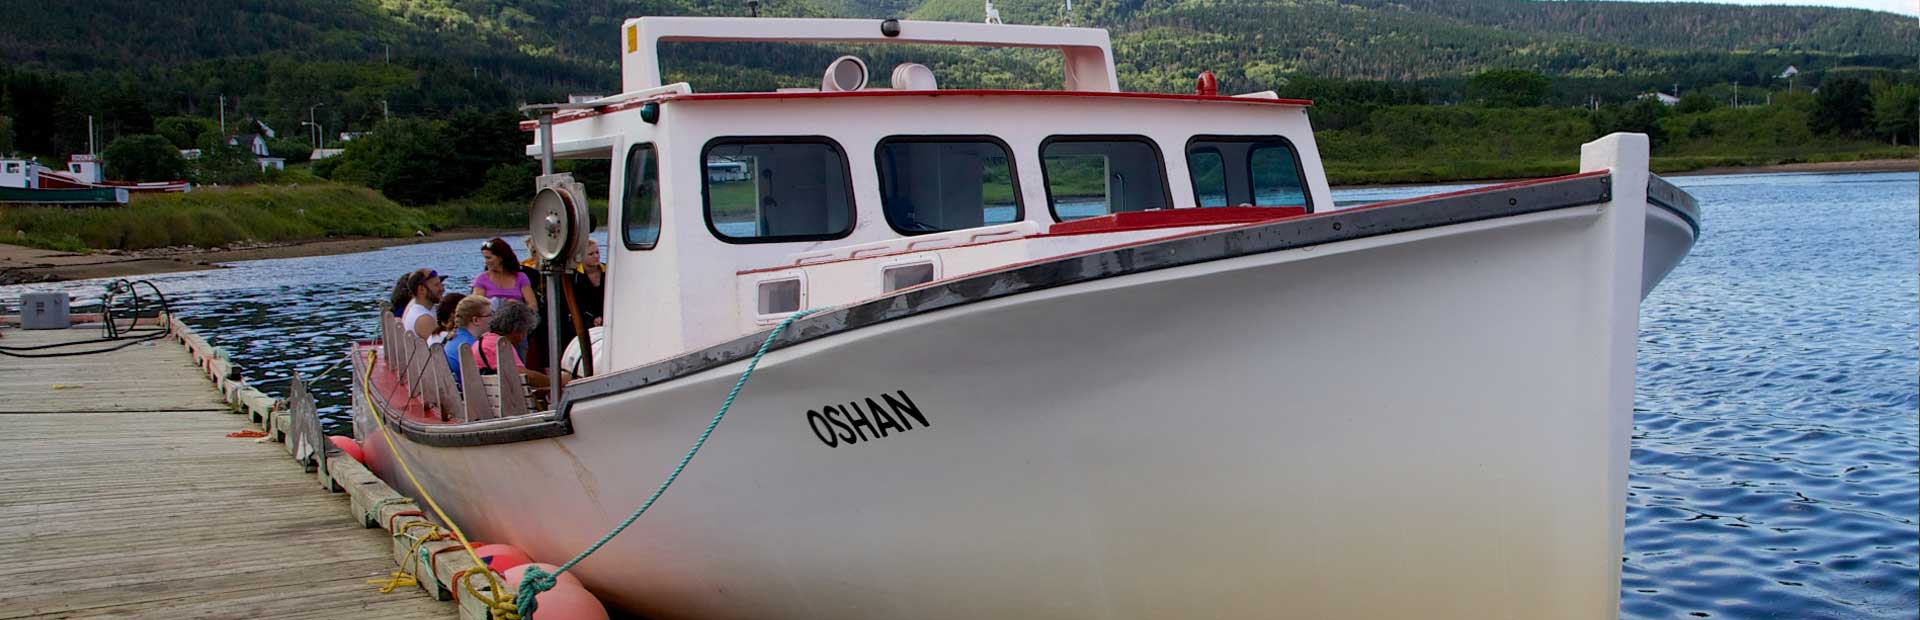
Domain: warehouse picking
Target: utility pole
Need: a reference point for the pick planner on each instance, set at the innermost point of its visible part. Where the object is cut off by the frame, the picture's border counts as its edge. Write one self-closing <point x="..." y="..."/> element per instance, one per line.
<point x="311" y="120"/>
<point x="90" y="150"/>
<point x="1736" y="95"/>
<point x="223" y="117"/>
<point x="385" y="114"/>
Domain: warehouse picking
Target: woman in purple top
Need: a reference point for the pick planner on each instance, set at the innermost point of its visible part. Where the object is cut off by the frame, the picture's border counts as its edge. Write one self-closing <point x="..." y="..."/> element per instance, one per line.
<point x="502" y="280"/>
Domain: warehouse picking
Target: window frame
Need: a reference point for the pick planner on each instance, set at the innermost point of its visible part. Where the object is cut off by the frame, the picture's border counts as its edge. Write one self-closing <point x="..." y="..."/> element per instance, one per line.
<point x="846" y="176"/>
<point x="1299" y="169"/>
<point x="659" y="206"/>
<point x="1013" y="175"/>
<point x="1046" y="179"/>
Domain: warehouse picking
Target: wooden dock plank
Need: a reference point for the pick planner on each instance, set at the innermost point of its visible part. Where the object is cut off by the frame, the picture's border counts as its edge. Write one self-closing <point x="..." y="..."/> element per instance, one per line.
<point x="121" y="496"/>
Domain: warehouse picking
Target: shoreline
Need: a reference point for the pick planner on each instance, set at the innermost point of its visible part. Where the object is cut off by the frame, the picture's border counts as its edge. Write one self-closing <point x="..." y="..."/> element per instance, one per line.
<point x="1841" y="167"/>
<point x="25" y="265"/>
<point x="22" y="265"/>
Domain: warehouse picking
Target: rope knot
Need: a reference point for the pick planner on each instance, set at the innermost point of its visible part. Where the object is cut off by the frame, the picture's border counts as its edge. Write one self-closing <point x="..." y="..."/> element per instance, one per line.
<point x="532" y="583"/>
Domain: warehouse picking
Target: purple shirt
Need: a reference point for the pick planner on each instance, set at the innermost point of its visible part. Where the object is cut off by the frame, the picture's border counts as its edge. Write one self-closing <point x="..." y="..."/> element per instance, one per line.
<point x="487" y="288"/>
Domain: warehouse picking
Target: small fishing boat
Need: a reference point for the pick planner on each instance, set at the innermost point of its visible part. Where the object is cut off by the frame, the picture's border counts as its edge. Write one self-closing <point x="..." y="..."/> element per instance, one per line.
<point x="1073" y="353"/>
<point x="24" y="181"/>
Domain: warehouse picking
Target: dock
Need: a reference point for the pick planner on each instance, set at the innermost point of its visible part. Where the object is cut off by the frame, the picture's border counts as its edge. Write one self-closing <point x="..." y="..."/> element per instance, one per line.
<point x="122" y="495"/>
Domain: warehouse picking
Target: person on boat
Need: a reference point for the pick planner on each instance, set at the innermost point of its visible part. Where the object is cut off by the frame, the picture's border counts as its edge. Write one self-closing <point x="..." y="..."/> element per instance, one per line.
<point x="502" y="280"/>
<point x="424" y="288"/>
<point x="443" y="317"/>
<point x="534" y="347"/>
<point x="589" y="287"/>
<point x="512" y="322"/>
<point x="397" y="300"/>
<point x="469" y="323"/>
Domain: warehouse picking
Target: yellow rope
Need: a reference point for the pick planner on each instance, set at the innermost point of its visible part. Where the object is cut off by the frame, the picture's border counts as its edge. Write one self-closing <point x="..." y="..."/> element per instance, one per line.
<point x="408" y="573"/>
<point x="501" y="607"/>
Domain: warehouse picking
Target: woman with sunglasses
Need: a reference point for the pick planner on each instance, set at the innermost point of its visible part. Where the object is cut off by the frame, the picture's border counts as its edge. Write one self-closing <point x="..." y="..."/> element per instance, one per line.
<point x="502" y="279"/>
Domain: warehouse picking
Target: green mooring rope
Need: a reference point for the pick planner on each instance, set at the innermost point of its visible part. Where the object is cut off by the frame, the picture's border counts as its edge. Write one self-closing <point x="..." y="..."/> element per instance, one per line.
<point x="535" y="581"/>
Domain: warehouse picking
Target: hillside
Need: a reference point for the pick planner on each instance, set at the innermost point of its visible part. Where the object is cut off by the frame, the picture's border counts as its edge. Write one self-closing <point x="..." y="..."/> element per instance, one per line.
<point x="129" y="62"/>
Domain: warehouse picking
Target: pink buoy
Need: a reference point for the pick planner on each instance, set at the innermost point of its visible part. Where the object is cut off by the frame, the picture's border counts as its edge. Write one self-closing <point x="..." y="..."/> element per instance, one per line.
<point x="502" y="557"/>
<point x="349" y="446"/>
<point x="514" y="574"/>
<point x="568" y="602"/>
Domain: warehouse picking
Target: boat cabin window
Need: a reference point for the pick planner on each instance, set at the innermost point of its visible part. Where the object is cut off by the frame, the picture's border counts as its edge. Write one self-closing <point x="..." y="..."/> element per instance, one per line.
<point x="765" y="190"/>
<point x="1089" y="176"/>
<point x="1208" y="170"/>
<point x="937" y="184"/>
<point x="640" y="203"/>
<point x="1249" y="171"/>
<point x="13" y="167"/>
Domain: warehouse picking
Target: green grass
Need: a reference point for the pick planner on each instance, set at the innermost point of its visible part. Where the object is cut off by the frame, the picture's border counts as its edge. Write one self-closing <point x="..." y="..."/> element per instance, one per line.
<point x="220" y="216"/>
<point x="1425" y="144"/>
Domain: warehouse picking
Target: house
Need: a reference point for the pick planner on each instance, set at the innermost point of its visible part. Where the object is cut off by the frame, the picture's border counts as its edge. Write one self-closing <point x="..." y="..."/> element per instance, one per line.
<point x="1665" y="99"/>
<point x="319" y="154"/>
<point x="255" y="142"/>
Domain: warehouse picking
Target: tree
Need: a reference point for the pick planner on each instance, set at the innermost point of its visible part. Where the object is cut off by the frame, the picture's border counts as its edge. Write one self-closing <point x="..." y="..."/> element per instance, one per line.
<point x="144" y="157"/>
<point x="184" y="131"/>
<point x="1896" y="113"/>
<point x="1696" y="102"/>
<point x="223" y="164"/>
<point x="1637" y="116"/>
<point x="1842" y="106"/>
<point x="6" y="135"/>
<point x="406" y="159"/>
<point x="1508" y="88"/>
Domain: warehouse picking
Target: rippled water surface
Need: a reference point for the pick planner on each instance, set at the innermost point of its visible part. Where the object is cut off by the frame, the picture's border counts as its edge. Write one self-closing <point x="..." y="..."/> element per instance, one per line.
<point x="1774" y="455"/>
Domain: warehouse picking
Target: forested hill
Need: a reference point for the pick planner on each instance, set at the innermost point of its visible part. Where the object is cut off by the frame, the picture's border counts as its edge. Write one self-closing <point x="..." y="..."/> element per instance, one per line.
<point x="555" y="41"/>
<point x="129" y="61"/>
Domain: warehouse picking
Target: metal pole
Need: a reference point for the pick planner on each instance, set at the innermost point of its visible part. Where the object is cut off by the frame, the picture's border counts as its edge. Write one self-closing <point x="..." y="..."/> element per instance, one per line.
<point x="223" y="117"/>
<point x="553" y="272"/>
<point x="90" y="150"/>
<point x="546" y="143"/>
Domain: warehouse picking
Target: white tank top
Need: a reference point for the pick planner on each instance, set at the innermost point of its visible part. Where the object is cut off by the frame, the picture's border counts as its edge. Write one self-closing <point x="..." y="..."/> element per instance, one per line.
<point x="414" y="312"/>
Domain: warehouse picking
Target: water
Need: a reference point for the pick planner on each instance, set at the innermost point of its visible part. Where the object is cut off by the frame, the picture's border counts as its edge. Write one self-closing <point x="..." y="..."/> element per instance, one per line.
<point x="1774" y="454"/>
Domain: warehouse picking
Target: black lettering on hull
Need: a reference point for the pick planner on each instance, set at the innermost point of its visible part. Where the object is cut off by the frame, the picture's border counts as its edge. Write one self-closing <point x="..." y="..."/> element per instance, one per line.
<point x="849" y="424"/>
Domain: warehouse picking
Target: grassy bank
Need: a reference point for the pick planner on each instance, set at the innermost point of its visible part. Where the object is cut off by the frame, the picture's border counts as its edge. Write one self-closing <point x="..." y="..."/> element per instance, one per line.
<point x="220" y="216"/>
<point x="1419" y="144"/>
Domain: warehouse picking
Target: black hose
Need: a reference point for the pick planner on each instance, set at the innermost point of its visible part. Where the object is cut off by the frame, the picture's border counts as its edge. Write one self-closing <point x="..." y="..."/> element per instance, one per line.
<point x="110" y="328"/>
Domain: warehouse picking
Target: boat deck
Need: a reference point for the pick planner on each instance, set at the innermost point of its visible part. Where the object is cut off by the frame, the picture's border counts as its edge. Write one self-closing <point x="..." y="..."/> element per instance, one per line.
<point x="121" y="495"/>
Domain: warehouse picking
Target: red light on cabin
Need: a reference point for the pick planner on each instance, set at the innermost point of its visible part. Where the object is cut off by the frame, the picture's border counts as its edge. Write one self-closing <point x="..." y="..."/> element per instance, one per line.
<point x="1207" y="85"/>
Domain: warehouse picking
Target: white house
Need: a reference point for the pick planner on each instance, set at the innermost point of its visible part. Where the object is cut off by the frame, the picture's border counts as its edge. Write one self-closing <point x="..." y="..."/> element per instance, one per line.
<point x="1665" y="99"/>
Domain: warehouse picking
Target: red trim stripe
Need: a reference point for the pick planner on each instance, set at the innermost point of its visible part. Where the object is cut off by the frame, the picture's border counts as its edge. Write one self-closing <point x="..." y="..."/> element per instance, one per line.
<point x="565" y="117"/>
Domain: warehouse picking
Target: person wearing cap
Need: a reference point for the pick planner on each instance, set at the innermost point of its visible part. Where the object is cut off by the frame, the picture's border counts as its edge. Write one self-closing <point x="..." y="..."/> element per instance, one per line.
<point x="426" y="287"/>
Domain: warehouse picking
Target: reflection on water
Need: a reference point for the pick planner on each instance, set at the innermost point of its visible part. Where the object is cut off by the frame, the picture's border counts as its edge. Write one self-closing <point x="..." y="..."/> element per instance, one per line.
<point x="1774" y="453"/>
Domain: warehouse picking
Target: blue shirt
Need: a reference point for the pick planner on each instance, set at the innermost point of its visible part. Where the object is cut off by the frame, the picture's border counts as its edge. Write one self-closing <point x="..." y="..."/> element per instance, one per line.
<point x="461" y="338"/>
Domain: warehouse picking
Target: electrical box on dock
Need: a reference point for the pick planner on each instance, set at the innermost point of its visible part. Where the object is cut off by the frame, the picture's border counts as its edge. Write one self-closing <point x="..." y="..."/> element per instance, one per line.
<point x="44" y="311"/>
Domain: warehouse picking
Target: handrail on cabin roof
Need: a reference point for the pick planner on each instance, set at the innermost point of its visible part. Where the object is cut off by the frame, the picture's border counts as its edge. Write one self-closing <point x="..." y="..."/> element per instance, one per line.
<point x="1088" y="51"/>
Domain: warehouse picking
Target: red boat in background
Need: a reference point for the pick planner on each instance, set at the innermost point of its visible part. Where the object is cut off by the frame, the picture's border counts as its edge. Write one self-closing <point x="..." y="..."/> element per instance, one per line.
<point x="84" y="172"/>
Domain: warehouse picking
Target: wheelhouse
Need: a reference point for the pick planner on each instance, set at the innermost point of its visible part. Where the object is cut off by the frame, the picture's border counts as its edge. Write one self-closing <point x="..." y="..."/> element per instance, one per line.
<point x="732" y="210"/>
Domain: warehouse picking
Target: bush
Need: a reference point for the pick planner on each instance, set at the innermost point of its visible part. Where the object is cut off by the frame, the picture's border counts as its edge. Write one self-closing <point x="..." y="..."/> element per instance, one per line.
<point x="145" y="157"/>
<point x="1508" y="88"/>
<point x="1638" y="116"/>
<point x="1841" y="107"/>
<point x="1696" y="102"/>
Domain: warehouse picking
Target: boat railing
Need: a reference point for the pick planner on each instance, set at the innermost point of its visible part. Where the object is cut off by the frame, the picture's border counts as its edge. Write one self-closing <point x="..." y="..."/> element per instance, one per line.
<point x="422" y="370"/>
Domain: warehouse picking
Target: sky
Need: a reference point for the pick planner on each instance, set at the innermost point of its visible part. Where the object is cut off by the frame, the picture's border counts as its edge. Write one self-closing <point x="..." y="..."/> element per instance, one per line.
<point x="1904" y="7"/>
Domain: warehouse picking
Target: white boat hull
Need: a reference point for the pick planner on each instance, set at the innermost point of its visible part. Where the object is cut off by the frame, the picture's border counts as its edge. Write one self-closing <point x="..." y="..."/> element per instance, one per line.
<point x="1428" y="424"/>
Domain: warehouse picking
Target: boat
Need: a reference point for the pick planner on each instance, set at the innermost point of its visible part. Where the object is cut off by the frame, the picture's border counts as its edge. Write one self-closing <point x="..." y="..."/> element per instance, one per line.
<point x="84" y="171"/>
<point x="1064" y="353"/>
<point x="24" y="181"/>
